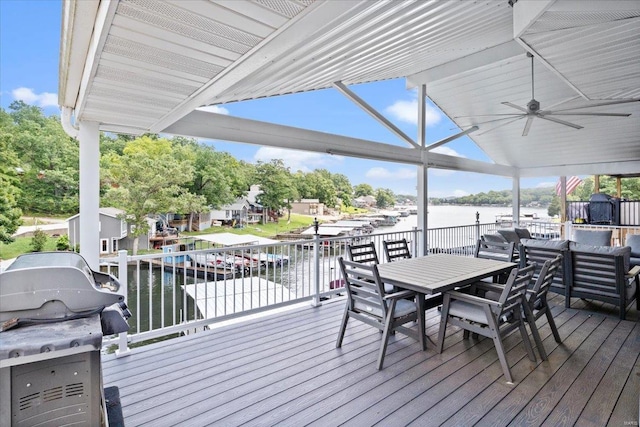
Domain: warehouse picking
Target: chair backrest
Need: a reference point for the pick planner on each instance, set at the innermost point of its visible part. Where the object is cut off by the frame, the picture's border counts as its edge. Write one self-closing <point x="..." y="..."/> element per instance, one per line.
<point x="538" y="292"/>
<point x="493" y="237"/>
<point x="522" y="233"/>
<point x="364" y="288"/>
<point x="499" y="251"/>
<point x="396" y="249"/>
<point x="364" y="254"/>
<point x="540" y="251"/>
<point x="514" y="290"/>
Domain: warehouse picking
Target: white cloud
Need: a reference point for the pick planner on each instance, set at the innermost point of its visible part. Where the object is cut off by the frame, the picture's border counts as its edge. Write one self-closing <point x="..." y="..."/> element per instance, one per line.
<point x="546" y="185"/>
<point x="296" y="160"/>
<point x="384" y="173"/>
<point x="27" y="95"/>
<point x="448" y="151"/>
<point x="407" y="111"/>
<point x="460" y="193"/>
<point x="214" y="109"/>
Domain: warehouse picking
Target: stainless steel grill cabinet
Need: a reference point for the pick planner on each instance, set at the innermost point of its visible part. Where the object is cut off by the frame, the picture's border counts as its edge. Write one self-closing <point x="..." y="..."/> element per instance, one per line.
<point x="52" y="307"/>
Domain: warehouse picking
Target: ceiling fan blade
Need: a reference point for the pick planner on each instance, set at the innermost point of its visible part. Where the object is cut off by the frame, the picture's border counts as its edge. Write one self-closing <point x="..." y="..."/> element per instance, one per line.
<point x="527" y="126"/>
<point x="486" y="115"/>
<point x="601" y="104"/>
<point x="500" y="125"/>
<point x="546" y="113"/>
<point x="500" y="119"/>
<point x="562" y="122"/>
<point x="517" y="107"/>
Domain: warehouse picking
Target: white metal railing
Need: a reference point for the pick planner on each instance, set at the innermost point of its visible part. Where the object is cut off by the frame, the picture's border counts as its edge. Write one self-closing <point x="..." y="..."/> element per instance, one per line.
<point x="173" y="293"/>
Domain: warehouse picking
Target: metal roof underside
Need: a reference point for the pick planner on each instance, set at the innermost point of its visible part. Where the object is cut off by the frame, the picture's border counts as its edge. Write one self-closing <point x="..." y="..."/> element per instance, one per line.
<point x="150" y="63"/>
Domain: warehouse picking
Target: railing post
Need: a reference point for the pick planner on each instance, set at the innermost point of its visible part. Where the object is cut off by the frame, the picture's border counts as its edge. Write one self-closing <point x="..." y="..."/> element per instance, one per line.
<point x="123" y="347"/>
<point x="568" y="230"/>
<point x="315" y="301"/>
<point x="477" y="226"/>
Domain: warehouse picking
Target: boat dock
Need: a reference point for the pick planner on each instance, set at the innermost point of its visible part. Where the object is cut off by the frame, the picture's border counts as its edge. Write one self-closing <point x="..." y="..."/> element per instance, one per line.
<point x="199" y="272"/>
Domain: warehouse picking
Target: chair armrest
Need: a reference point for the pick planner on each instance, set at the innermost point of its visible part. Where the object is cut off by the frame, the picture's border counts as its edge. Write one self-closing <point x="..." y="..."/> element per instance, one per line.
<point x="399" y="295"/>
<point x="485" y="286"/>
<point x="633" y="272"/>
<point x="472" y="299"/>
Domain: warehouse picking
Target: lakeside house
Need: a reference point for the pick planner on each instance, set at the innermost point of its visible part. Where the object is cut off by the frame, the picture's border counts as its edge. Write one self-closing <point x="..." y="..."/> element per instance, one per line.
<point x="115" y="233"/>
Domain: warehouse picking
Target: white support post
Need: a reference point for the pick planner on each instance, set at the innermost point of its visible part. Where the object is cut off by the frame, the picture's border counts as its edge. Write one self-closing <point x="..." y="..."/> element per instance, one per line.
<point x="123" y="277"/>
<point x="89" y="137"/>
<point x="515" y="199"/>
<point x="422" y="185"/>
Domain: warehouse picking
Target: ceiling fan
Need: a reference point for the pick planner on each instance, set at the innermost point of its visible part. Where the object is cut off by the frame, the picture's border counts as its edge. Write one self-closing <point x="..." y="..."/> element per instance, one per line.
<point x="533" y="111"/>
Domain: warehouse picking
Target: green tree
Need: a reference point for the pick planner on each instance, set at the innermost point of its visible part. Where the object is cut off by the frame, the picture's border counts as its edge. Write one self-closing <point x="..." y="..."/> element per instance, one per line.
<point x="190" y="204"/>
<point x="277" y="185"/>
<point x="343" y="187"/>
<point x="49" y="158"/>
<point x="147" y="179"/>
<point x="218" y="176"/>
<point x="384" y="198"/>
<point x="554" y="207"/>
<point x="38" y="240"/>
<point x="9" y="191"/>
<point x="362" y="190"/>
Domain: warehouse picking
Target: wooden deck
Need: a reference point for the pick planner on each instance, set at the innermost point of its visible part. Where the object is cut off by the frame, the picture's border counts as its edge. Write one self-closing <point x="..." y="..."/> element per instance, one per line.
<point x="284" y="369"/>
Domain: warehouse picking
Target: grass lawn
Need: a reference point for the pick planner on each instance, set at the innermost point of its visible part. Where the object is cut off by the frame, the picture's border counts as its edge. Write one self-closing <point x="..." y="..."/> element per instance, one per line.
<point x="22" y="245"/>
<point x="270" y="229"/>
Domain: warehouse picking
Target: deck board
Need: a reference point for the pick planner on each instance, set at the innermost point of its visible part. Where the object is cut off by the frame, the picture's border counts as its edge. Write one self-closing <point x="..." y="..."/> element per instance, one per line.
<point x="283" y="369"/>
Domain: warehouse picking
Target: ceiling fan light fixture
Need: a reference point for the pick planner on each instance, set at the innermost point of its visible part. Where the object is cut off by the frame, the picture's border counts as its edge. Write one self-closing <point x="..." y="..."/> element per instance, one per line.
<point x="533" y="106"/>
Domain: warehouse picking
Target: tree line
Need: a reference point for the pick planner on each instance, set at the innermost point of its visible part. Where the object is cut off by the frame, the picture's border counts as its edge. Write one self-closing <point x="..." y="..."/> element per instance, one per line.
<point x="147" y="175"/>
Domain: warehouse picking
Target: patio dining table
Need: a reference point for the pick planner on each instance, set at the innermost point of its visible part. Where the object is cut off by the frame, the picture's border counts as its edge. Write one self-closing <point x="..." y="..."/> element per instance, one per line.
<point x="432" y="274"/>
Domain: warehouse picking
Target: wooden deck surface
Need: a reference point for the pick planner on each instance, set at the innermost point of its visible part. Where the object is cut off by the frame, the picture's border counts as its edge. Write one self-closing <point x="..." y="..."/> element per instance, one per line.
<point x="283" y="369"/>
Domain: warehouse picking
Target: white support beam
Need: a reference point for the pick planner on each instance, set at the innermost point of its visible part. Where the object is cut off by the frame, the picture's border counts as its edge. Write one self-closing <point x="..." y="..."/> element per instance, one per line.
<point x="608" y="168"/>
<point x="106" y="13"/>
<point x="373" y="113"/>
<point x="423" y="169"/>
<point x="79" y="32"/>
<point x="515" y="199"/>
<point x="89" y="137"/>
<point x="451" y="138"/>
<point x="526" y="13"/>
<point x="485" y="58"/>
<point x="443" y="161"/>
<point x="203" y="124"/>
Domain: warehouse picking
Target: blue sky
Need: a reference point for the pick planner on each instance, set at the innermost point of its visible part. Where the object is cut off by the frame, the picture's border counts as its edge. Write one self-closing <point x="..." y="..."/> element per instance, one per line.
<point x="29" y="48"/>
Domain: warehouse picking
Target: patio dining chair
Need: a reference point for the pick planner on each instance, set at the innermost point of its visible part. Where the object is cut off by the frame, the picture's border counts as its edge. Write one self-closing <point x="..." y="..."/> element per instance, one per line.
<point x="368" y="302"/>
<point x="489" y="318"/>
<point x="497" y="251"/>
<point x="396" y="249"/>
<point x="536" y="298"/>
<point x="365" y="253"/>
<point x="399" y="249"/>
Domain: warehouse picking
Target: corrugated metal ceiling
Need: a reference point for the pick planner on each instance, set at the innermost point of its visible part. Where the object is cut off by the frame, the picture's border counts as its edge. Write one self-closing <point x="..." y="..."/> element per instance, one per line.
<point x="162" y="59"/>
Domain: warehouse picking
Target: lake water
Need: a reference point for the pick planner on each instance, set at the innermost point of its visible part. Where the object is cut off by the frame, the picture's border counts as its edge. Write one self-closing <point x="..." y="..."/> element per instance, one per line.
<point x="449" y="216"/>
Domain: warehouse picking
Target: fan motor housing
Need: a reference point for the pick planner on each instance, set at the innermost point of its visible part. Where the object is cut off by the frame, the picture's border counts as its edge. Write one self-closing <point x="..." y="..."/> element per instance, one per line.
<point x="533" y="106"/>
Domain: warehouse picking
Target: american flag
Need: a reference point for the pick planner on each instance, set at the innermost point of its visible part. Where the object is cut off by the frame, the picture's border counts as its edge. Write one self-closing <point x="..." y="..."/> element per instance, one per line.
<point x="572" y="183"/>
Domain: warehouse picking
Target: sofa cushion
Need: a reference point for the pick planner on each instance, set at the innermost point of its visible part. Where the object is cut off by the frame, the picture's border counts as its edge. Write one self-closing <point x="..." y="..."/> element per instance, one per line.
<point x="546" y="244"/>
<point x="592" y="237"/>
<point x="523" y="233"/>
<point x="510" y="235"/>
<point x="625" y="251"/>
<point x="633" y="241"/>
